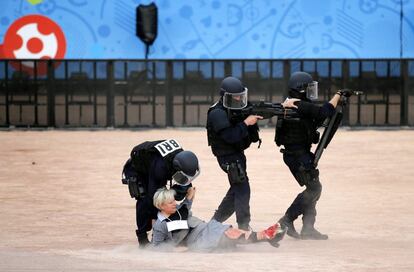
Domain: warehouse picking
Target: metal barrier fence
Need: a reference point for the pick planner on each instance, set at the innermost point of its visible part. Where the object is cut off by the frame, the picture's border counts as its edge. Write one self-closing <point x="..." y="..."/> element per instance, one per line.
<point x="134" y="93"/>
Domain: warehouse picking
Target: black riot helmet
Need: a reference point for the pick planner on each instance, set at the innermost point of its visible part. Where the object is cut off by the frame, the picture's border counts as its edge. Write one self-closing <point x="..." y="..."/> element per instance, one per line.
<point x="234" y="93"/>
<point x="185" y="163"/>
<point x="302" y="86"/>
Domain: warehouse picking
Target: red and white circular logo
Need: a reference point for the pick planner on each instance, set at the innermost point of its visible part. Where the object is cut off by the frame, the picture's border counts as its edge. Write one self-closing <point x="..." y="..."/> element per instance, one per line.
<point x="34" y="37"/>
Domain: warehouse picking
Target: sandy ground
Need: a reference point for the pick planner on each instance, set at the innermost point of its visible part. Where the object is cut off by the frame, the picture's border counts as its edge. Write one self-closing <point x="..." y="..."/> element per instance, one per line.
<point x="63" y="207"/>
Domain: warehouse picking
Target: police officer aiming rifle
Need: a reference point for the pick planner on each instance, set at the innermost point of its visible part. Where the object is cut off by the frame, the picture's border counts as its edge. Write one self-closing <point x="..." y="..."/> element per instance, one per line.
<point x="230" y="131"/>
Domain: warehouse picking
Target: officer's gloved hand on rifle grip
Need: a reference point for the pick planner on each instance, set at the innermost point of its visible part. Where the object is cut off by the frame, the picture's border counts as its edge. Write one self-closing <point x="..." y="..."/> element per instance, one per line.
<point x="345" y="92"/>
<point x="290" y="103"/>
<point x="252" y="119"/>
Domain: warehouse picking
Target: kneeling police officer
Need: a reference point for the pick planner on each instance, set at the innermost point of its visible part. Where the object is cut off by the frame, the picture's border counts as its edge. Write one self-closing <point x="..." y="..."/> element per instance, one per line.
<point x="229" y="134"/>
<point x="297" y="136"/>
<point x="150" y="166"/>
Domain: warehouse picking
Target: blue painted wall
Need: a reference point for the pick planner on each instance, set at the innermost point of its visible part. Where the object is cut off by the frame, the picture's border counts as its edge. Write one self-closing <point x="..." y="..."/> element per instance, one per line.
<point x="213" y="29"/>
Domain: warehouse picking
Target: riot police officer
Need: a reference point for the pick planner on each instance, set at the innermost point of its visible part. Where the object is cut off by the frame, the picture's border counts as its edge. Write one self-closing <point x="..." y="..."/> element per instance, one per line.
<point x="150" y="167"/>
<point x="297" y="136"/>
<point x="229" y="134"/>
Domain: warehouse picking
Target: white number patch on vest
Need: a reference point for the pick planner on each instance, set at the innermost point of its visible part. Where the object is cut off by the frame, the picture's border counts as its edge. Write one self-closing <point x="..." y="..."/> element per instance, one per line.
<point x="167" y="147"/>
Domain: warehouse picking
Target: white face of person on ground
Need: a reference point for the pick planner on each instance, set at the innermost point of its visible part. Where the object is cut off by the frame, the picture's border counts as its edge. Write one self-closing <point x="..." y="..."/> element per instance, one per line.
<point x="169" y="207"/>
<point x="164" y="201"/>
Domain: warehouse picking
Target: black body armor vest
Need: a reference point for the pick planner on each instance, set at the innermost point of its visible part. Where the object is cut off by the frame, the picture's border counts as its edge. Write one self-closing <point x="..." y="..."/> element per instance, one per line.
<point x="296" y="131"/>
<point x="142" y="154"/>
<point x="218" y="145"/>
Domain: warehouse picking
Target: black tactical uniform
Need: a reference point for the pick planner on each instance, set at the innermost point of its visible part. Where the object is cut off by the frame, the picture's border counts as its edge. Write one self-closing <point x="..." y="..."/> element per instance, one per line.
<point x="297" y="135"/>
<point x="228" y="137"/>
<point x="150" y="167"/>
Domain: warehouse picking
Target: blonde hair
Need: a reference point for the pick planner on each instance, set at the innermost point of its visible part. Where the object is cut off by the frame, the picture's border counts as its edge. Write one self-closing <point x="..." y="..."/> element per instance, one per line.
<point x="162" y="196"/>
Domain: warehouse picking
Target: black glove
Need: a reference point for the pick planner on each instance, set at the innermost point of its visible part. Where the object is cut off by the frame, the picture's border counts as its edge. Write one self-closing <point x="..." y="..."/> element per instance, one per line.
<point x="345" y="92"/>
<point x="180" y="191"/>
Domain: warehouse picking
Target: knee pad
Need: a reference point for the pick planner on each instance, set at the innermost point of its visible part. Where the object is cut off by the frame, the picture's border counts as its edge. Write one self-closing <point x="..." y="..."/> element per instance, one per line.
<point x="308" y="177"/>
<point x="313" y="187"/>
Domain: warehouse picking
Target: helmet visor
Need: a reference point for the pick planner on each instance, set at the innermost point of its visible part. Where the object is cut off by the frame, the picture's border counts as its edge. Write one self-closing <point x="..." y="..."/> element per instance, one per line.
<point x="183" y="179"/>
<point x="235" y="101"/>
<point x="312" y="90"/>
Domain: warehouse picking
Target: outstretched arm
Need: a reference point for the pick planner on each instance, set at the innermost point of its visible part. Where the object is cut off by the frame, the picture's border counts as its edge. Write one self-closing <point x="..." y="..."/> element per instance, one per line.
<point x="335" y="99"/>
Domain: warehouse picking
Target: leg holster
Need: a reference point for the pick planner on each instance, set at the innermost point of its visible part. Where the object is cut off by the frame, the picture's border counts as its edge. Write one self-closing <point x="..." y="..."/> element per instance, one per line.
<point x="131" y="178"/>
<point x="235" y="172"/>
<point x="135" y="187"/>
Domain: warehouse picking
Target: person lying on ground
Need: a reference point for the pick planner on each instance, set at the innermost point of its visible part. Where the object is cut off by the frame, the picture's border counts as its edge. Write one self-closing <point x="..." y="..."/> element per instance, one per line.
<point x="176" y="226"/>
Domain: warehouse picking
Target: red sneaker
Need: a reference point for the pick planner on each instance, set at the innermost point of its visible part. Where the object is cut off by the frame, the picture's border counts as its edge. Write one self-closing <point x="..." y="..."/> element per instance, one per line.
<point x="274" y="234"/>
<point x="271" y="231"/>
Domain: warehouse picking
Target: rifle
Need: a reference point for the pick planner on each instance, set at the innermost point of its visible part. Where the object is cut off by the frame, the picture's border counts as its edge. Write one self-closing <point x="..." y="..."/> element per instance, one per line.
<point x="268" y="109"/>
<point x="331" y="126"/>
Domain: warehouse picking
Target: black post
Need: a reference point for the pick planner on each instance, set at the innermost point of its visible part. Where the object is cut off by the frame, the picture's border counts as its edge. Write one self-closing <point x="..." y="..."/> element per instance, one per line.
<point x="184" y="94"/>
<point x="169" y="97"/>
<point x="286" y="75"/>
<point x="95" y="96"/>
<point x="153" y="93"/>
<point x="7" y="92"/>
<point x="51" y="118"/>
<point x="345" y="81"/>
<point x="404" y="93"/>
<point x="359" y="97"/>
<point x="126" y="91"/>
<point x="227" y="68"/>
<point x="67" y="94"/>
<point x="36" y="90"/>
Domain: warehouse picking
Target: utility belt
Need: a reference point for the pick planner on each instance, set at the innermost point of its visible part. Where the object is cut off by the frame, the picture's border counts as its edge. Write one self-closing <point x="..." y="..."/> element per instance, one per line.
<point x="220" y="149"/>
<point x="236" y="173"/>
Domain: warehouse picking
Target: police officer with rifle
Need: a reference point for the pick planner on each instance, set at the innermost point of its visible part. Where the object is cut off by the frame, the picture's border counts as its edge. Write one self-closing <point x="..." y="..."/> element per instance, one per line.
<point x="231" y="128"/>
<point x="150" y="166"/>
<point x="297" y="136"/>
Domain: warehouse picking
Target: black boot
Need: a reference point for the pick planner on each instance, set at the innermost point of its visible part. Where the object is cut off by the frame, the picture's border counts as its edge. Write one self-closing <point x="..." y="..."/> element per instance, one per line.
<point x="309" y="232"/>
<point x="312" y="234"/>
<point x="142" y="239"/>
<point x="285" y="222"/>
<point x="244" y="226"/>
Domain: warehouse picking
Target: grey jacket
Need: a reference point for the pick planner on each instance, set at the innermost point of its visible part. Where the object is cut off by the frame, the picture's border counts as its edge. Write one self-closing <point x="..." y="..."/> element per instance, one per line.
<point x="199" y="236"/>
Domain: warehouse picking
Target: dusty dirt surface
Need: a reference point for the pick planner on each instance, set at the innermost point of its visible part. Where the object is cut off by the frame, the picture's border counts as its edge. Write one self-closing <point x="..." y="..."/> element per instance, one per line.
<point x="63" y="207"/>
